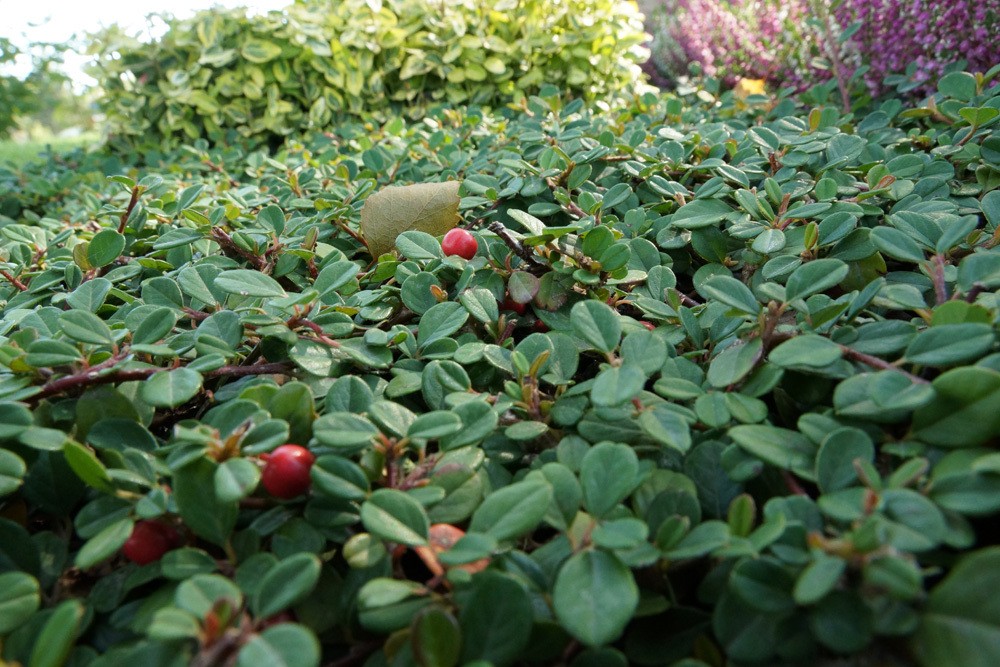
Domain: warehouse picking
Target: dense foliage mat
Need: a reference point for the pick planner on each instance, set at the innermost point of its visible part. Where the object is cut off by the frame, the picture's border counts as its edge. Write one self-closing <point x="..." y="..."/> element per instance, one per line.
<point x="720" y="386"/>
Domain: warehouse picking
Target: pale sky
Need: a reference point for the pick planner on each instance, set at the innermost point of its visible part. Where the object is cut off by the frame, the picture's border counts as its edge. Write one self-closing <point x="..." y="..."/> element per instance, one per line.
<point x="25" y="21"/>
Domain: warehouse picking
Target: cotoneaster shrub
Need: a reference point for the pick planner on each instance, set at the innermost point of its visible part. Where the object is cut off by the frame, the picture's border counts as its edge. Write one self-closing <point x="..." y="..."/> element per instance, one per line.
<point x="226" y="76"/>
<point x="747" y="415"/>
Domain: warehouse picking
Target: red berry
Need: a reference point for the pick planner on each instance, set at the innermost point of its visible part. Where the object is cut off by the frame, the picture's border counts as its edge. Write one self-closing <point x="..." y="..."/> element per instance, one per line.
<point x="459" y="242"/>
<point x="540" y="327"/>
<point x="286" y="473"/>
<point x="149" y="541"/>
<point x="510" y="304"/>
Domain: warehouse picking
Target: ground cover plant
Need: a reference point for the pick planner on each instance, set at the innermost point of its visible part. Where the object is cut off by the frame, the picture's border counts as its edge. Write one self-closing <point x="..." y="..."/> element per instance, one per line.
<point x="719" y="385"/>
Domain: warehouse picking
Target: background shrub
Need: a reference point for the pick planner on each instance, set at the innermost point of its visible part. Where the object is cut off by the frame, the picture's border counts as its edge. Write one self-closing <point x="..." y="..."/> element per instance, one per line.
<point x="15" y="97"/>
<point x="222" y="73"/>
<point x="922" y="38"/>
<point x="731" y="40"/>
<point x="801" y="42"/>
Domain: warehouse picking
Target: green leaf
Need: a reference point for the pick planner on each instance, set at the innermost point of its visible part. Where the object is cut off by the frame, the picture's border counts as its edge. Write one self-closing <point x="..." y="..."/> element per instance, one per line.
<point x="733" y="363"/>
<point x="842" y="622"/>
<point x="837" y="453"/>
<point x="272" y="216"/>
<point x="805" y="350"/>
<point x="338" y="477"/>
<point x="246" y="282"/>
<point x="363" y="551"/>
<point x="155" y="326"/>
<point x="667" y="427"/>
<point x="171" y="624"/>
<point x="700" y="213"/>
<point x="608" y="474"/>
<point x="20" y="597"/>
<point x="441" y="321"/>
<point x="436" y="638"/>
<point x="896" y="244"/>
<point x="104" y="544"/>
<point x="288" y="582"/>
<point x="961" y="624"/>
<point x="960" y="85"/>
<point x="47" y="353"/>
<point x="12" y="469"/>
<point x="235" y="479"/>
<point x="106" y="246"/>
<point x="426" y="207"/>
<point x="203" y="512"/>
<point x="200" y="593"/>
<point x="950" y="344"/>
<point x="594" y="597"/>
<point x="282" y="645"/>
<point x="763" y="584"/>
<point x="617" y="384"/>
<point x="184" y="563"/>
<point x="731" y="292"/>
<point x="481" y="304"/>
<point x="435" y="424"/>
<point x="965" y="411"/>
<point x="90" y="295"/>
<point x="522" y="286"/>
<point x="344" y="430"/>
<point x="496" y="620"/>
<point x="512" y="511"/>
<point x="702" y="540"/>
<point x="58" y="635"/>
<point x="395" y="517"/>
<point x="87" y="466"/>
<point x="780" y="447"/>
<point x="168" y="389"/>
<point x="86" y="327"/>
<point x="745" y="633"/>
<point x="814" y="277"/>
<point x="259" y="50"/>
<point x="597" y="324"/>
<point x="819" y="578"/>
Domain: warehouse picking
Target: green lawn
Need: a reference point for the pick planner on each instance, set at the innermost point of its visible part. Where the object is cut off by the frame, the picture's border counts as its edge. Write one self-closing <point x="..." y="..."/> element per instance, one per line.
<point x="20" y="153"/>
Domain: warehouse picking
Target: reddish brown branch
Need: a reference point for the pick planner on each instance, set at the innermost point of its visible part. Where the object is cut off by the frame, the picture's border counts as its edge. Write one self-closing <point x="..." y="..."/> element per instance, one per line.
<point x="136" y="191"/>
<point x="571" y="208"/>
<point x="875" y="362"/>
<point x="792" y="484"/>
<point x="229" y="247"/>
<point x="217" y="168"/>
<point x="12" y="279"/>
<point x="344" y="227"/>
<point x="195" y="315"/>
<point x="516" y="246"/>
<point x="95" y="376"/>
<point x="937" y="276"/>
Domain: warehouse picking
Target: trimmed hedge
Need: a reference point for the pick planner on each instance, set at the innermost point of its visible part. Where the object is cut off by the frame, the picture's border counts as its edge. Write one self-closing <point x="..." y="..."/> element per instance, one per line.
<point x="225" y="75"/>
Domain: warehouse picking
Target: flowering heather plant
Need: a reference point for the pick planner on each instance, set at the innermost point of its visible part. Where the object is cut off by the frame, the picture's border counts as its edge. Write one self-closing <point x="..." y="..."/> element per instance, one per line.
<point x="924" y="38"/>
<point x="753" y="39"/>
<point x="799" y="43"/>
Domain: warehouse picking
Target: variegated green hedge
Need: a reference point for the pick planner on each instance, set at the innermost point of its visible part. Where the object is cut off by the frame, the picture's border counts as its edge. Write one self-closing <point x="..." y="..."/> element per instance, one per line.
<point x="224" y="75"/>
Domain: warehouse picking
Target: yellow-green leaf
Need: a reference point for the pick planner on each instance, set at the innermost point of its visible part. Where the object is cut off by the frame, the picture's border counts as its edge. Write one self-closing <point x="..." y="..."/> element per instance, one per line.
<point x="425" y="207"/>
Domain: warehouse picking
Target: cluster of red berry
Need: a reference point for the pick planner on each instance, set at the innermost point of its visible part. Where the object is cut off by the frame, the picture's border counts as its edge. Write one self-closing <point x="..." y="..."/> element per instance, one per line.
<point x="285" y="475"/>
